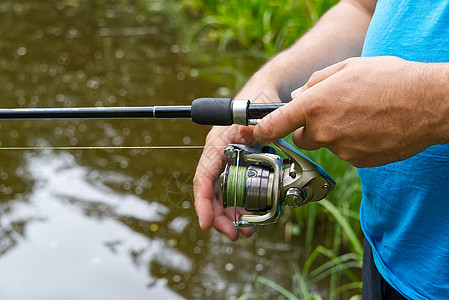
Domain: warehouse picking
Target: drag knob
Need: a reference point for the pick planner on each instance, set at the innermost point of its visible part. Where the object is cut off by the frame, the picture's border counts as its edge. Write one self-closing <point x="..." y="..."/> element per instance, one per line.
<point x="294" y="197"/>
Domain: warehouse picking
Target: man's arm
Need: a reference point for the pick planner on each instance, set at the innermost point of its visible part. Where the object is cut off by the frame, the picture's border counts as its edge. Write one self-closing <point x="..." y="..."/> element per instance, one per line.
<point x="338" y="35"/>
<point x="368" y="111"/>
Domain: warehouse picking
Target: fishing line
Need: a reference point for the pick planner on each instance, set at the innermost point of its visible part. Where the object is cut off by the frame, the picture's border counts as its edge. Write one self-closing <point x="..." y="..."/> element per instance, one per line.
<point x="236" y="185"/>
<point x="182" y="147"/>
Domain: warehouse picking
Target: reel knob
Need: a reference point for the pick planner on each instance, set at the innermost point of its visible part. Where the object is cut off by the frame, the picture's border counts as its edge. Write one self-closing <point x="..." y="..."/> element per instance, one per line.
<point x="295" y="197"/>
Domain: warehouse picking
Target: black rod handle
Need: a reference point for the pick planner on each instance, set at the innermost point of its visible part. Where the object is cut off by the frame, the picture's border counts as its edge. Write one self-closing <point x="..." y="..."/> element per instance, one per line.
<point x="221" y="111"/>
<point x="212" y="111"/>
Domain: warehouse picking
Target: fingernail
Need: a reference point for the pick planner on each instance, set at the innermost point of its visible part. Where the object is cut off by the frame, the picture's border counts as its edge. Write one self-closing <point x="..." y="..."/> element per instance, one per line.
<point x="296" y="92"/>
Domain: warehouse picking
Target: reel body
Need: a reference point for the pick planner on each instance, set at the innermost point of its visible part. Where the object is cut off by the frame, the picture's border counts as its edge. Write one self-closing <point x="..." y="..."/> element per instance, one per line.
<point x="262" y="182"/>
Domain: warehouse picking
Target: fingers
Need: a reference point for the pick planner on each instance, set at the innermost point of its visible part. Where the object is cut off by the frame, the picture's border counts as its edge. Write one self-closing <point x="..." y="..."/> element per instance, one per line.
<point x="204" y="182"/>
<point x="224" y="222"/>
<point x="295" y="114"/>
<point x="246" y="133"/>
<point x="320" y="76"/>
<point x="301" y="137"/>
<point x="204" y="189"/>
<point x="229" y="212"/>
<point x="280" y="123"/>
<point x="225" y="226"/>
<point x="212" y="213"/>
<point x="305" y="136"/>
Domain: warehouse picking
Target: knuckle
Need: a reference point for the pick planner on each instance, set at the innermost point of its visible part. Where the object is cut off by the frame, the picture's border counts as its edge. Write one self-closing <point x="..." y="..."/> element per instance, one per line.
<point x="210" y="136"/>
<point x="313" y="109"/>
<point x="314" y="78"/>
<point x="207" y="140"/>
<point x="345" y="155"/>
<point x="202" y="170"/>
<point x="196" y="180"/>
<point x="350" y="60"/>
<point x="324" y="137"/>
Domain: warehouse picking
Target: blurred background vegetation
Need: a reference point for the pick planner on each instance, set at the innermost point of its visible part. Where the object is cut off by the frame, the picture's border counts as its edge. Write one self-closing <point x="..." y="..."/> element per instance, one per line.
<point x="154" y="52"/>
<point x="260" y="29"/>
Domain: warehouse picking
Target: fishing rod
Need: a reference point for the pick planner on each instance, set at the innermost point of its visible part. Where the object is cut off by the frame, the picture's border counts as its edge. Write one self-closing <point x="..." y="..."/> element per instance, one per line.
<point x="256" y="178"/>
<point x="204" y="111"/>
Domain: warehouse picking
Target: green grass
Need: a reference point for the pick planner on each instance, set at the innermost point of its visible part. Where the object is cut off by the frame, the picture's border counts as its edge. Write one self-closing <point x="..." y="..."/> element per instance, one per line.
<point x="263" y="27"/>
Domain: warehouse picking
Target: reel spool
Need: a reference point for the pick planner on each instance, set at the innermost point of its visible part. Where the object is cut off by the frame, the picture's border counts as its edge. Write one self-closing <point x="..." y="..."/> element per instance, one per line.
<point x="253" y="187"/>
<point x="261" y="182"/>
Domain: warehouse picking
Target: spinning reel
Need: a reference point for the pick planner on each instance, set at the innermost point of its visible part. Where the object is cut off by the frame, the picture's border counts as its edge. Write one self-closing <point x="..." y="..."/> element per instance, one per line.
<point x="262" y="182"/>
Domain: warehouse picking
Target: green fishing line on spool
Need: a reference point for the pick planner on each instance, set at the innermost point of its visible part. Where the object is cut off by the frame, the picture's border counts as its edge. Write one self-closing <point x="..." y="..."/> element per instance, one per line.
<point x="231" y="186"/>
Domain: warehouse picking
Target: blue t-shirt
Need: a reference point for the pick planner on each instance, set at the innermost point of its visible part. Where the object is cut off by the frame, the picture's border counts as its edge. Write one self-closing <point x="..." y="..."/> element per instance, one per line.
<point x="405" y="207"/>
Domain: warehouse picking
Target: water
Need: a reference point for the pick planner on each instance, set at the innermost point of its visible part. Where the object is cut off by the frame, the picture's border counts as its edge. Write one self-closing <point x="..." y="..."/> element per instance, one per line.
<point x="111" y="224"/>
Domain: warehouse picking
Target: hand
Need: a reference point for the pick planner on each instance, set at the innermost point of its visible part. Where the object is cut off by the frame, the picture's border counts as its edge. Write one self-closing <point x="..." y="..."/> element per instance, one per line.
<point x="208" y="203"/>
<point x="367" y="111"/>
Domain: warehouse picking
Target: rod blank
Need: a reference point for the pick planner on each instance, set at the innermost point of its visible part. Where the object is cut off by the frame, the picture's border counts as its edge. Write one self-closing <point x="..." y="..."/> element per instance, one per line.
<point x="96" y="112"/>
<point x="199" y="110"/>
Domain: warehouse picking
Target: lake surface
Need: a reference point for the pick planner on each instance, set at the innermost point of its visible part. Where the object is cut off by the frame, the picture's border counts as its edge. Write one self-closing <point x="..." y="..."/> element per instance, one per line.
<point x="112" y="224"/>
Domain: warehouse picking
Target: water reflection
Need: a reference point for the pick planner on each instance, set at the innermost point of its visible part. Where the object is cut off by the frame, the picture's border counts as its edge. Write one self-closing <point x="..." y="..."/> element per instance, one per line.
<point x="110" y="224"/>
<point x="75" y="244"/>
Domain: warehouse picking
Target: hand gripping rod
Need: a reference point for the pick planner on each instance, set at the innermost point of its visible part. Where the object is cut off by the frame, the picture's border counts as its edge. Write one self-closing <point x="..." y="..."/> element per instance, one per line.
<point x="204" y="111"/>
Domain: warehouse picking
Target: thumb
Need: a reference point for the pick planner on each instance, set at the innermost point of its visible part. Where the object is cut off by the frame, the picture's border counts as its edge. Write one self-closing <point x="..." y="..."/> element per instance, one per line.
<point x="280" y="122"/>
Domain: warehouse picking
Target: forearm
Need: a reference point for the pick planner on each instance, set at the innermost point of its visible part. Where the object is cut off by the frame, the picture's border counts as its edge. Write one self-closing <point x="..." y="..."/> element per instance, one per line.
<point x="338" y="35"/>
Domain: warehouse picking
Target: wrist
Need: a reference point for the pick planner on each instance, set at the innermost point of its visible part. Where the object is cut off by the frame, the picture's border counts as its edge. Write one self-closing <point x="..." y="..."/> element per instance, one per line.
<point x="259" y="89"/>
<point x="435" y="87"/>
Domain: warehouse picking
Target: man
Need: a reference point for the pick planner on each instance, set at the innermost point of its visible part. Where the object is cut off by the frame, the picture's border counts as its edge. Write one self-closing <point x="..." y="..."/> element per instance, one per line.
<point x="386" y="112"/>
